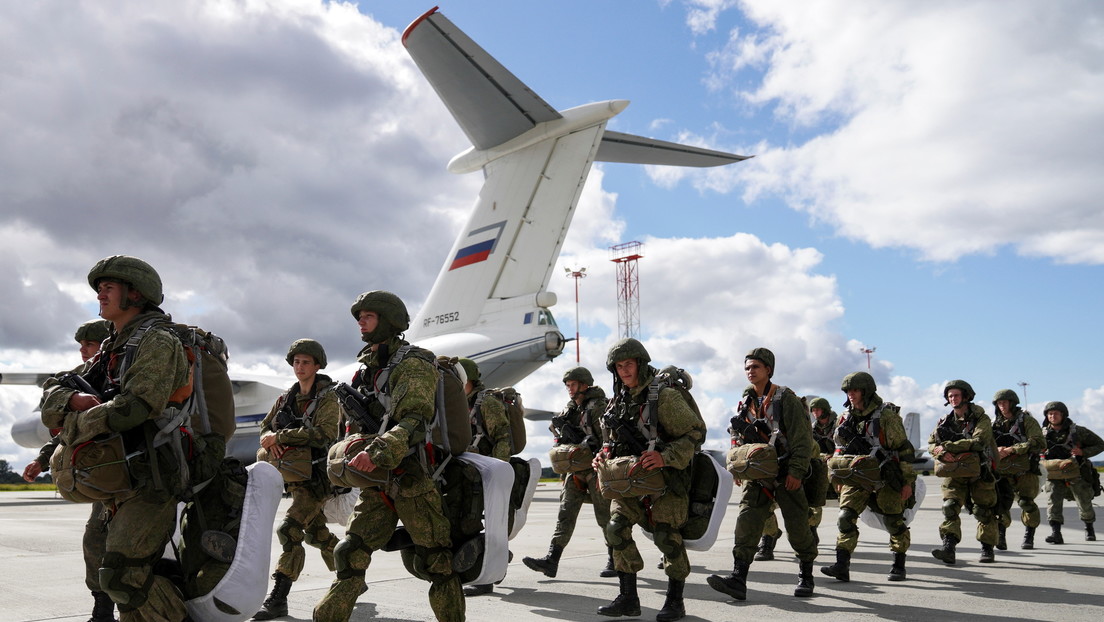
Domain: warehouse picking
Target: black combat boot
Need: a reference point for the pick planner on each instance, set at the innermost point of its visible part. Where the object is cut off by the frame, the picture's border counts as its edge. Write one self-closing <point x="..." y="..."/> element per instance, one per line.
<point x="627" y="602"/>
<point x="1002" y="542"/>
<point x="103" y="609"/>
<point x="766" y="549"/>
<point x="673" y="607"/>
<point x="946" y="554"/>
<point x="1029" y="539"/>
<point x="275" y="606"/>
<point x="549" y="564"/>
<point x="1055" y="536"/>
<point x="987" y="554"/>
<point x="897" y="571"/>
<point x="609" y="570"/>
<point x="841" y="570"/>
<point x="1090" y="534"/>
<point x="478" y="590"/>
<point x="804" y="579"/>
<point x="735" y="584"/>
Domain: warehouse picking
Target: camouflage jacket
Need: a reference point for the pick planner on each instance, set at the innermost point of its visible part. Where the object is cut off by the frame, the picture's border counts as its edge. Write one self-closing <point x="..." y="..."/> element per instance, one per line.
<point x="796" y="446"/>
<point x="1067" y="436"/>
<point x="583" y="420"/>
<point x="974" y="432"/>
<point x="891" y="434"/>
<point x="494" y="438"/>
<point x="320" y="429"/>
<point x="680" y="431"/>
<point x="1021" y="432"/>
<point x="822" y="434"/>
<point x="159" y="368"/>
<point x="412" y="387"/>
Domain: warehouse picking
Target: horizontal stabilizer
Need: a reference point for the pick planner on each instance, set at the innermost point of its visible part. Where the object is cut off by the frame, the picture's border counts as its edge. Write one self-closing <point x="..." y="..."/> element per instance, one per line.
<point x="490" y="104"/>
<point x="629" y="149"/>
<point x="27" y="378"/>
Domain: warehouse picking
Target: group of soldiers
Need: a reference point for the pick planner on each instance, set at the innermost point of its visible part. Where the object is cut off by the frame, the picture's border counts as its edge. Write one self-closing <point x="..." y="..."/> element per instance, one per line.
<point x="646" y="433"/>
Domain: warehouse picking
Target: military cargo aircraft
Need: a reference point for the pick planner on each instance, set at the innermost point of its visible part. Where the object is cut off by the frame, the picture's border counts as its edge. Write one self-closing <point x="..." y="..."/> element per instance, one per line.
<point x="490" y="301"/>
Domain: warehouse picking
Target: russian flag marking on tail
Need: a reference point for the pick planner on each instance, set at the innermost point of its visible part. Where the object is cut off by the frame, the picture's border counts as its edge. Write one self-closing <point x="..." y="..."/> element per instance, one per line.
<point x="481" y="250"/>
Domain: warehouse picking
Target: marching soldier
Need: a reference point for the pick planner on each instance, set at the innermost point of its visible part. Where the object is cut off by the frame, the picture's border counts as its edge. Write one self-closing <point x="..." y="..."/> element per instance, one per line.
<point x="1065" y="440"/>
<point x="1019" y="441"/>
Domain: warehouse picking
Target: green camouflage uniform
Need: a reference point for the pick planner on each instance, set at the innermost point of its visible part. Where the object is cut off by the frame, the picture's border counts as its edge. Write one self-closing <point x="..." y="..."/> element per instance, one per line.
<point x="412" y="497"/>
<point x="681" y="433"/>
<point x="896" y="472"/>
<point x="494" y="441"/>
<point x="760" y="496"/>
<point x="822" y="436"/>
<point x="305" y="520"/>
<point x="144" y="519"/>
<point x="1026" y="437"/>
<point x="982" y="491"/>
<point x="582" y="486"/>
<point x="1078" y="488"/>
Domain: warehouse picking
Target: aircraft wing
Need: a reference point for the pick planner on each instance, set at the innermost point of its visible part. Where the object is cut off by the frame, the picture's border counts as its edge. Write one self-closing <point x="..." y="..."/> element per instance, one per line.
<point x="534" y="414"/>
<point x="24" y="378"/>
<point x="488" y="102"/>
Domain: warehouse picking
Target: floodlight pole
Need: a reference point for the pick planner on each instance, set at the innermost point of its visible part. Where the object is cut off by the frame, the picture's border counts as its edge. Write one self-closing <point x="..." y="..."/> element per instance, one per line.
<point x="1023" y="387"/>
<point x="576" y="274"/>
<point x="868" y="352"/>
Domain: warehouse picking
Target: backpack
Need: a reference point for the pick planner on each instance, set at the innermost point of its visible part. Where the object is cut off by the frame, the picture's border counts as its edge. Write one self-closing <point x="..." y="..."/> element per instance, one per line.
<point x="515" y="415"/>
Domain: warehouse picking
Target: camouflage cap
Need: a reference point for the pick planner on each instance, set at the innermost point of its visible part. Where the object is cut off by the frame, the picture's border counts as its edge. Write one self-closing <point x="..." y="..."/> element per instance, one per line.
<point x="1059" y="406"/>
<point x="625" y="349"/>
<point x="93" y="330"/>
<point x="471" y="369"/>
<point x="764" y="356"/>
<point x="309" y="347"/>
<point x="135" y="273"/>
<point x="579" y="374"/>
<point x="1006" y="394"/>
<point x="962" y="385"/>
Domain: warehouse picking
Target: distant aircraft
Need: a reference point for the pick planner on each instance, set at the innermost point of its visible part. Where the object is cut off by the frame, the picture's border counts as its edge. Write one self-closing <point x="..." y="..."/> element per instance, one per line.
<point x="490" y="301"/>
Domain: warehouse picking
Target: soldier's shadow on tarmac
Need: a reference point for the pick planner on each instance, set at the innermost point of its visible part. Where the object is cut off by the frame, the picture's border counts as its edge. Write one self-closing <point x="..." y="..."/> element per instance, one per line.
<point x="548" y="603"/>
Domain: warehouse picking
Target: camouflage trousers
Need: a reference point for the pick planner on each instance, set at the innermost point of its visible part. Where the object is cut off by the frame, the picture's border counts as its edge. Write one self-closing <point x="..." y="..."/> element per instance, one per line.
<point x="418" y="505"/>
<point x="756" y="507"/>
<point x="579" y="488"/>
<point x="94" y="544"/>
<point x="984" y="495"/>
<point x="305" y="521"/>
<point x="887" y="502"/>
<point x="1021" y="489"/>
<point x="1082" y="493"/>
<point x="137" y="533"/>
<point x="771" y="528"/>
<point x="663" y="515"/>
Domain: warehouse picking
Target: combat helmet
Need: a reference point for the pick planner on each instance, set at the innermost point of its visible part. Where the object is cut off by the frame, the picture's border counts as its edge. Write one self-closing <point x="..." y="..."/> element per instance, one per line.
<point x="1059" y="406"/>
<point x="393" y="317"/>
<point x="135" y="273"/>
<point x="962" y="385"/>
<point x="579" y="374"/>
<point x="821" y="403"/>
<point x="624" y="349"/>
<point x="860" y="380"/>
<point x="309" y="347"/>
<point x="764" y="356"/>
<point x="1006" y="394"/>
<point x="471" y="370"/>
<point x="93" y="330"/>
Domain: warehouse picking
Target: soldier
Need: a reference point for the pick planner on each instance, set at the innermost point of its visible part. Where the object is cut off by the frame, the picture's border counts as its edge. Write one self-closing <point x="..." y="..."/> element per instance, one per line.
<point x="776" y="411"/>
<point x="306" y="415"/>
<point x="668" y="442"/>
<point x="577" y="426"/>
<point x="411" y="495"/>
<point x="135" y="384"/>
<point x="824" y="426"/>
<point x="89" y="335"/>
<point x="1017" y="433"/>
<point x="872" y="427"/>
<point x="963" y="436"/>
<point x="490" y="435"/>
<point x="1066" y="440"/>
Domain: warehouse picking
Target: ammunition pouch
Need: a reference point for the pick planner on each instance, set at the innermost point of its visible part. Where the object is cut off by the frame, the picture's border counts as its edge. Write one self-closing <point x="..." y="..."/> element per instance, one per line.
<point x="1061" y="469"/>
<point x="341" y="474"/>
<point x="753" y="461"/>
<point x="1013" y="464"/>
<point x="860" y="471"/>
<point x="568" y="458"/>
<point x="295" y="464"/>
<point x="95" y="470"/>
<point x="624" y="478"/>
<point x="968" y="465"/>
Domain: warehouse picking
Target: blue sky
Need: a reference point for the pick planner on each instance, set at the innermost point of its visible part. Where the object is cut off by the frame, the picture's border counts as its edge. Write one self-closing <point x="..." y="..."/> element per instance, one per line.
<point x="926" y="181"/>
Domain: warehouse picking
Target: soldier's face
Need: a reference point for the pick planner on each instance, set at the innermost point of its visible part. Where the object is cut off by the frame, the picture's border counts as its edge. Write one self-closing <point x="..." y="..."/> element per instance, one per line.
<point x="1005" y="408"/>
<point x="955" y="398"/>
<point x="819" y="413"/>
<point x="627" y="372"/>
<point x="88" y="349"/>
<point x="757" y="373"/>
<point x="574" y="387"/>
<point x="1055" y="416"/>
<point x="110" y="296"/>
<point x="368" y="321"/>
<point x="304" y="366"/>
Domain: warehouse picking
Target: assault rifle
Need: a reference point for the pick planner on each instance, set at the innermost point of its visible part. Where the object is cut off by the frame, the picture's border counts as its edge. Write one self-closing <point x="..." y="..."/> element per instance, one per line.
<point x="945" y="434"/>
<point x="853" y="443"/>
<point x="747" y="432"/>
<point x="626" y="434"/>
<point x="285" y="418"/>
<point x="567" y="431"/>
<point x="78" y="383"/>
<point x="356" y="406"/>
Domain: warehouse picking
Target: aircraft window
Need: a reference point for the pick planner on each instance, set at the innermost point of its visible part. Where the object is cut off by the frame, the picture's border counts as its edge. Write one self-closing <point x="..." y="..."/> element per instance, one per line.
<point x="546" y="318"/>
<point x="528" y="318"/>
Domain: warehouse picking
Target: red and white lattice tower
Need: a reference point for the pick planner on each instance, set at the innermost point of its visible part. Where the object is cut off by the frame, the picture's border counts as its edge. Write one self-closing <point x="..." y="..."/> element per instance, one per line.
<point x="625" y="255"/>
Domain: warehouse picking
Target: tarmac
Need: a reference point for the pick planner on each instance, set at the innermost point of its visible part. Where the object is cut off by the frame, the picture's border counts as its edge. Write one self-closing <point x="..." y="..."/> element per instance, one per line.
<point x="42" y="576"/>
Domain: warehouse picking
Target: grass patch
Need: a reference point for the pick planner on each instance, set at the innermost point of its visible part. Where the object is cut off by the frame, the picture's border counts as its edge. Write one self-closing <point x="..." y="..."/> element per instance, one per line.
<point x="24" y="487"/>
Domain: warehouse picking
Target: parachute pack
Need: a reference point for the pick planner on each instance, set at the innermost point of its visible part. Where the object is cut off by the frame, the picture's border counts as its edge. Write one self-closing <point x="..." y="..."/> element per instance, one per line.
<point x="515" y="415"/>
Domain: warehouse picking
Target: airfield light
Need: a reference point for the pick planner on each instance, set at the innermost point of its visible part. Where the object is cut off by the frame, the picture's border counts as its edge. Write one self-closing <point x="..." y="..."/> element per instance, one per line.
<point x="1023" y="386"/>
<point x="576" y="274"/>
<point x="867" y="352"/>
